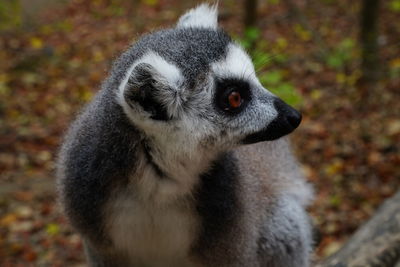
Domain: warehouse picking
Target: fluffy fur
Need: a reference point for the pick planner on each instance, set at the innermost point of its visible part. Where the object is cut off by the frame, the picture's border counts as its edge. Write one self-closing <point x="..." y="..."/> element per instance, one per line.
<point x="204" y="16"/>
<point x="154" y="172"/>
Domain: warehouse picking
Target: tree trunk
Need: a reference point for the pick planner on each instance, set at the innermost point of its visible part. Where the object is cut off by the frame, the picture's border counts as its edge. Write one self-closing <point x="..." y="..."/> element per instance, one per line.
<point x="250" y="15"/>
<point x="250" y="24"/>
<point x="377" y="243"/>
<point x="370" y="68"/>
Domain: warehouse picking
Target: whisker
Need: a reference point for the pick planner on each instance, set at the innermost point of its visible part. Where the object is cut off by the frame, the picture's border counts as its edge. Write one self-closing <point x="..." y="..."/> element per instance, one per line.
<point x="267" y="59"/>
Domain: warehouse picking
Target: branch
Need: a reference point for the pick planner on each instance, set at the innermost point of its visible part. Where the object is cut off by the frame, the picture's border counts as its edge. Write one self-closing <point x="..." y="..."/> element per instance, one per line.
<point x="377" y="243"/>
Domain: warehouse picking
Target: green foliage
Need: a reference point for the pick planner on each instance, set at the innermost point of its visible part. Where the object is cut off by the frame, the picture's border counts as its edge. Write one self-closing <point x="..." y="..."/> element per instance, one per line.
<point x="273" y="2"/>
<point x="150" y="2"/>
<point x="251" y="35"/>
<point x="10" y="14"/>
<point x="52" y="229"/>
<point x="335" y="200"/>
<point x="261" y="59"/>
<point x="395" y="69"/>
<point x="272" y="77"/>
<point x="343" y="53"/>
<point x="274" y="82"/>
<point x="116" y="10"/>
<point x="301" y="32"/>
<point x="394" y="5"/>
<point x="258" y="48"/>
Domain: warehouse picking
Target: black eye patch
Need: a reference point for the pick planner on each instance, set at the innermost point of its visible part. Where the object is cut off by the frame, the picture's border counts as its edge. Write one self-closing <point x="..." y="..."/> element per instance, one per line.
<point x="232" y="95"/>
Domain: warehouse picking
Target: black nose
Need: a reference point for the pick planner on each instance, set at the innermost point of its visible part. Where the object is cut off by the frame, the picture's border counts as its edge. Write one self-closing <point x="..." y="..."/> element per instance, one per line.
<point x="288" y="117"/>
<point x="287" y="121"/>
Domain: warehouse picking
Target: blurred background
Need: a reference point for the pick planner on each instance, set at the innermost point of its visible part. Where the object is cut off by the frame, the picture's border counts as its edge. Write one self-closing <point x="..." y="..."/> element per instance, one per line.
<point x="337" y="61"/>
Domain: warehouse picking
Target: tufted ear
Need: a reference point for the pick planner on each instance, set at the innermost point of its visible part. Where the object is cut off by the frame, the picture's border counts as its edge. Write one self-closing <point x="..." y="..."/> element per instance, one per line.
<point x="203" y="16"/>
<point x="154" y="85"/>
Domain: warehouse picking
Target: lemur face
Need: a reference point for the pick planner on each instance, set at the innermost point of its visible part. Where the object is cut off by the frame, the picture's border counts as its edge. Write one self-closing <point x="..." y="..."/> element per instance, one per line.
<point x="193" y="85"/>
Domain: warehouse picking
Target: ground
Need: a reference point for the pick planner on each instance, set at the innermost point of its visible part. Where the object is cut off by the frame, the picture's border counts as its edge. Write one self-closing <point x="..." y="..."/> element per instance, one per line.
<point x="348" y="144"/>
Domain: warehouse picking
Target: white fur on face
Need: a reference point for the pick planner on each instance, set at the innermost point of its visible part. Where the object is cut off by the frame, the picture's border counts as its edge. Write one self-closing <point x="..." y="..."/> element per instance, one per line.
<point x="236" y="64"/>
<point x="203" y="16"/>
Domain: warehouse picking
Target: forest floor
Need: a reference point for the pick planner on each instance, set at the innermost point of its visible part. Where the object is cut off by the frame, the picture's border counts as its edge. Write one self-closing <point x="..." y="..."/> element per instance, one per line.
<point x="348" y="144"/>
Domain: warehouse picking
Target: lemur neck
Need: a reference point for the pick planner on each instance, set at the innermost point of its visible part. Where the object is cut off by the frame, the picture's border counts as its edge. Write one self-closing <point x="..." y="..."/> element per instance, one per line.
<point x="177" y="168"/>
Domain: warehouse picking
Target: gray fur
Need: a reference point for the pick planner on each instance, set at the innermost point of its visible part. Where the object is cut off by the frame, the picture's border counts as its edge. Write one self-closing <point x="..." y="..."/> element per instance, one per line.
<point x="152" y="172"/>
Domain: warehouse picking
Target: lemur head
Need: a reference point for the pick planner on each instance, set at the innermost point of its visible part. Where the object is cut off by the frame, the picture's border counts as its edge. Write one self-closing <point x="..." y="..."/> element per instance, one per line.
<point x="194" y="87"/>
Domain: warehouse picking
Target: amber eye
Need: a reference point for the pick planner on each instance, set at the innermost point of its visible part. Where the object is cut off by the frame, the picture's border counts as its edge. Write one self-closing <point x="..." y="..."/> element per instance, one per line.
<point x="234" y="99"/>
<point x="232" y="96"/>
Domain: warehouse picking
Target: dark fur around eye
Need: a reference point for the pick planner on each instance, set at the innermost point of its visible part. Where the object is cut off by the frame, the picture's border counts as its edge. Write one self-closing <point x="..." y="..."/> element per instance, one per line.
<point x="224" y="87"/>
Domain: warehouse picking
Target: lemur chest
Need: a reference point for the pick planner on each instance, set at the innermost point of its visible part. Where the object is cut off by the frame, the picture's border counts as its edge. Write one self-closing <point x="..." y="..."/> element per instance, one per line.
<point x="150" y="228"/>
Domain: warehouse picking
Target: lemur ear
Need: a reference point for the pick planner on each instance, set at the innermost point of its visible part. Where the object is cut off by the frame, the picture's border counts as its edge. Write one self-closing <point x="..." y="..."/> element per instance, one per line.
<point x="154" y="85"/>
<point x="203" y="16"/>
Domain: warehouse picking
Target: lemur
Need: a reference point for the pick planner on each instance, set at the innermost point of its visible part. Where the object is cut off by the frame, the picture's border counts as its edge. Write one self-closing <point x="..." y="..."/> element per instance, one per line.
<point x="179" y="161"/>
